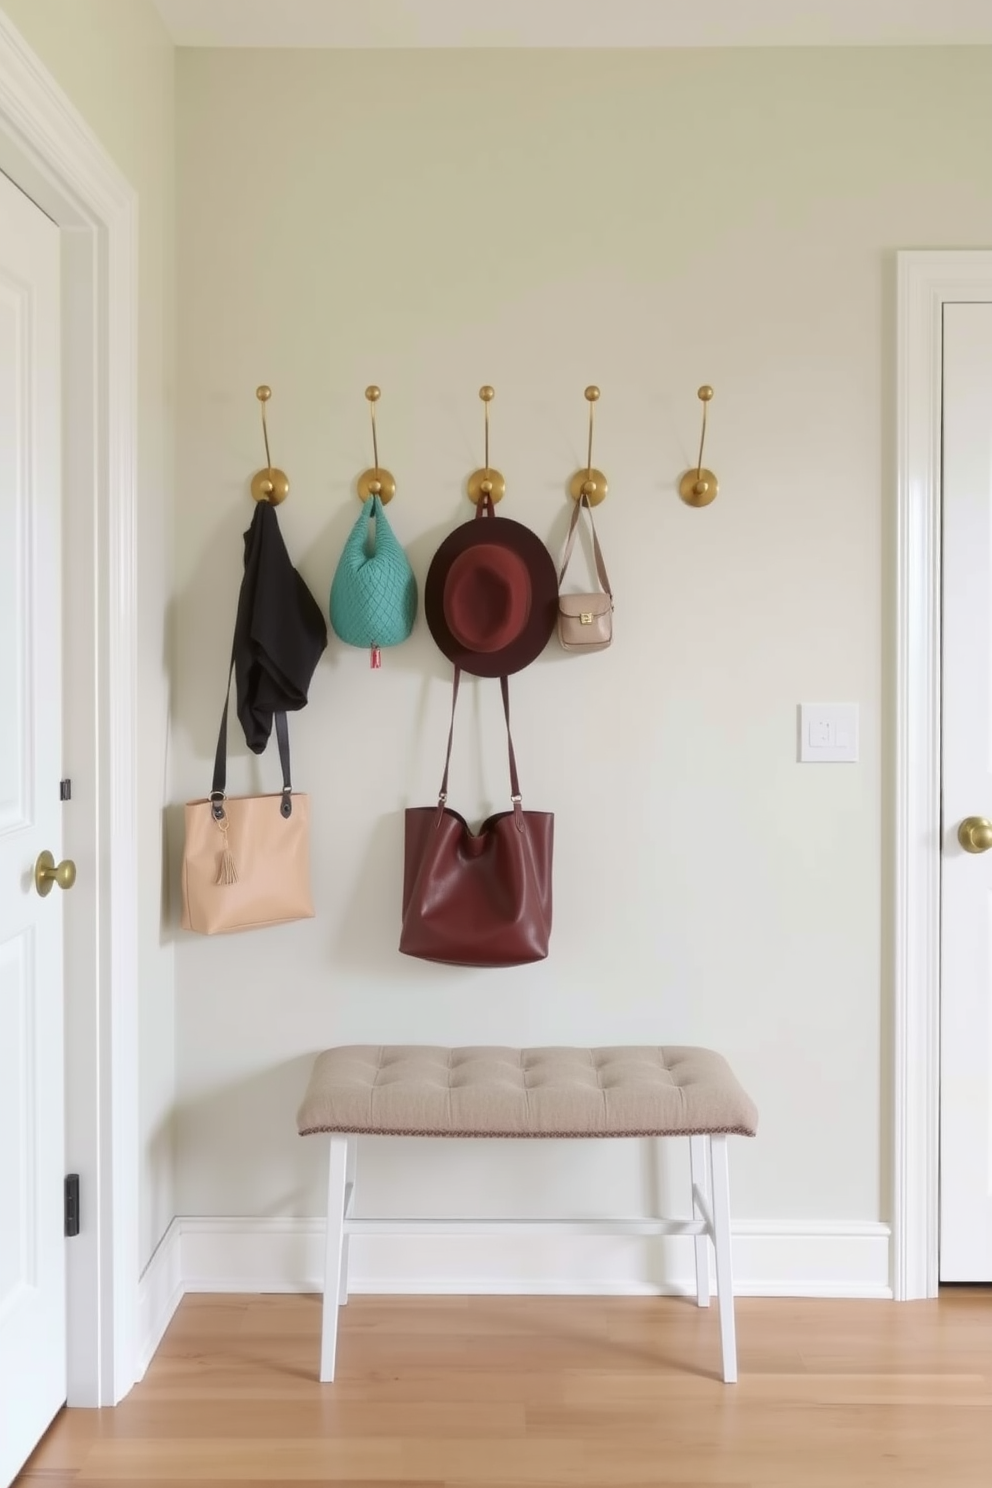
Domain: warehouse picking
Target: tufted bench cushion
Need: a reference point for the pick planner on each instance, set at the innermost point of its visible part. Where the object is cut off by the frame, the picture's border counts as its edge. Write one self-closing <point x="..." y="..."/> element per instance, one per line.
<point x="418" y="1090"/>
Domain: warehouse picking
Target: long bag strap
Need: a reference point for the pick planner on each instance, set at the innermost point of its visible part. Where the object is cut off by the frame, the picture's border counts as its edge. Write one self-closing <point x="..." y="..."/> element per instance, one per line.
<point x="583" y="501"/>
<point x="219" y="789"/>
<point x="514" y="778"/>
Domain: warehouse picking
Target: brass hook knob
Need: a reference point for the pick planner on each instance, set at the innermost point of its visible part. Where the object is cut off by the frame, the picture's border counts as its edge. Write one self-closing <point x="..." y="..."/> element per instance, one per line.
<point x="377" y="481"/>
<point x="486" y="482"/>
<point x="590" y="482"/>
<point x="975" y="834"/>
<point x="47" y="873"/>
<point x="270" y="484"/>
<point x="700" y="486"/>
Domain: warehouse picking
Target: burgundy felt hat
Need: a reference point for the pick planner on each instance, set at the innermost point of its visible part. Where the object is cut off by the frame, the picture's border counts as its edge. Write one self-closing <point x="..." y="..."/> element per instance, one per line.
<point x="491" y="597"/>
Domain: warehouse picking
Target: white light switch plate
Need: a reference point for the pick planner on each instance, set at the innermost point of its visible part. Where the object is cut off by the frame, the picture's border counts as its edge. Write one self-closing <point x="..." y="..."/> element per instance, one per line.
<point x="828" y="733"/>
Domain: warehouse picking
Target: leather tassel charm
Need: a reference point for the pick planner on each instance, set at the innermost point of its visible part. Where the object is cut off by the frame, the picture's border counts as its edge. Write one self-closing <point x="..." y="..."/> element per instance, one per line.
<point x="375" y="659"/>
<point x="228" y="871"/>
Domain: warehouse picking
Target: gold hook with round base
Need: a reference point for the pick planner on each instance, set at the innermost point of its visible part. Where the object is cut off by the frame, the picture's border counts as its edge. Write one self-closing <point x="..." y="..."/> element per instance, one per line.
<point x="377" y="483"/>
<point x="486" y="483"/>
<point x="699" y="487"/>
<point x="596" y="482"/>
<point x="589" y="482"/>
<point x="271" y="486"/>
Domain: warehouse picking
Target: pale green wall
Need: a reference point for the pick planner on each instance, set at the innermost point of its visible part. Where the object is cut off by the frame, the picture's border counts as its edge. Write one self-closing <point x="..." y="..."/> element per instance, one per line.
<point x="649" y="221"/>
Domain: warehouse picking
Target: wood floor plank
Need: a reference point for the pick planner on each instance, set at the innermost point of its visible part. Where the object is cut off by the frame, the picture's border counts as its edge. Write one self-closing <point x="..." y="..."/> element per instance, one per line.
<point x="64" y="1446"/>
<point x="524" y="1392"/>
<point x="318" y="1417"/>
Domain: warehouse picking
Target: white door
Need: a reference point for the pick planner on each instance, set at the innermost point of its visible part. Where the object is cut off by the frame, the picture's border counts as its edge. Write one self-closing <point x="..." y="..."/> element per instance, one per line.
<point x="32" y="1244"/>
<point x="966" y="876"/>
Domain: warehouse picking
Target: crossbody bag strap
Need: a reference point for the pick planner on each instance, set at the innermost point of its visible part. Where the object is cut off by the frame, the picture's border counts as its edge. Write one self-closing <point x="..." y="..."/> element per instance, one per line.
<point x="604" y="580"/>
<point x="570" y="540"/>
<point x="218" y="791"/>
<point x="514" y="778"/>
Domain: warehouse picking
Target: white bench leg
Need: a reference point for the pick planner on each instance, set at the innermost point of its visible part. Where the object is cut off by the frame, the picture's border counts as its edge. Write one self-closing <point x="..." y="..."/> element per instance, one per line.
<point x="349" y="1200"/>
<point x="333" y="1255"/>
<point x="721" y="1243"/>
<point x="699" y="1172"/>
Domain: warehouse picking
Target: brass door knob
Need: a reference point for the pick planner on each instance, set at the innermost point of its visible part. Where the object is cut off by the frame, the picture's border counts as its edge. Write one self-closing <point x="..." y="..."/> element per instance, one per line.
<point x="47" y="873"/>
<point x="975" y="834"/>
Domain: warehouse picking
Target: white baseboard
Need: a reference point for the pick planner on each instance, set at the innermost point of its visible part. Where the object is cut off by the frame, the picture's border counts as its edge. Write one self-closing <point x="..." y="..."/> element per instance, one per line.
<point x="160" y="1292"/>
<point x="814" y="1258"/>
<point x="501" y="1258"/>
<point x="798" y="1259"/>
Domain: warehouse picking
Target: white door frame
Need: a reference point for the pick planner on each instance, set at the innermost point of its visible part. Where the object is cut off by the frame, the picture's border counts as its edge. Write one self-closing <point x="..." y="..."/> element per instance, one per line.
<point x="927" y="281"/>
<point x="50" y="152"/>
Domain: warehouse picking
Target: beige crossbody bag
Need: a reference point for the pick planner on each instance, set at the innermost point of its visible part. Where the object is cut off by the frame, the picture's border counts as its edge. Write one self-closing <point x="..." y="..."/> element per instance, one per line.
<point x="585" y="621"/>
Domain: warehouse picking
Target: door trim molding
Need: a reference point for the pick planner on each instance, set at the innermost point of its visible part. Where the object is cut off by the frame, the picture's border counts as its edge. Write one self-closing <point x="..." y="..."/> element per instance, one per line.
<point x="926" y="282"/>
<point x="47" y="148"/>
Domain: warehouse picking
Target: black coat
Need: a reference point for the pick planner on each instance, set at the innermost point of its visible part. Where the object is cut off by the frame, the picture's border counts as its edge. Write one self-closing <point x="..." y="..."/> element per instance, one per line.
<point x="279" y="635"/>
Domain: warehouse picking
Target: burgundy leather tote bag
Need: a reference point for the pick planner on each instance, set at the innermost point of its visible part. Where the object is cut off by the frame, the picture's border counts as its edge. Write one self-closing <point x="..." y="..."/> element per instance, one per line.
<point x="477" y="898"/>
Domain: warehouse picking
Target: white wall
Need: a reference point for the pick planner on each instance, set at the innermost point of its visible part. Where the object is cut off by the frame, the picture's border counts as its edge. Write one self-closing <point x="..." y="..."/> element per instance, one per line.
<point x="647" y="221"/>
<point x="116" y="63"/>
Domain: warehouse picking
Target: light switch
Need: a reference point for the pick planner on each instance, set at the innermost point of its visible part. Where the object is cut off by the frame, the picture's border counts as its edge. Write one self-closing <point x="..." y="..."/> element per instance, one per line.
<point x="828" y="733"/>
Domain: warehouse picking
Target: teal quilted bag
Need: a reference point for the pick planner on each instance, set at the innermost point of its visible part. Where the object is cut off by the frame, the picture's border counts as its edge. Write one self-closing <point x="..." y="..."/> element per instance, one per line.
<point x="374" y="592"/>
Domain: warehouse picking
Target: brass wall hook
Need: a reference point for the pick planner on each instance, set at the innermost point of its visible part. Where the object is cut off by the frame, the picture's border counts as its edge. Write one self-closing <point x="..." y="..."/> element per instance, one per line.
<point x="700" y="486"/>
<point x="590" y="483"/>
<point x="270" y="484"/>
<point x="486" y="482"/>
<point x="375" y="482"/>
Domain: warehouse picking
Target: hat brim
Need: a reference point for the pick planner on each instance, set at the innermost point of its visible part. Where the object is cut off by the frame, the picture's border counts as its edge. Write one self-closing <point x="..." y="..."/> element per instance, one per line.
<point x="541" y="621"/>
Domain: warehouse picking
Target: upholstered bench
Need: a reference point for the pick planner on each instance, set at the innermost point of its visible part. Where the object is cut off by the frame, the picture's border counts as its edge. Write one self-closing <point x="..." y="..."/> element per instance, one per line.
<point x="641" y="1091"/>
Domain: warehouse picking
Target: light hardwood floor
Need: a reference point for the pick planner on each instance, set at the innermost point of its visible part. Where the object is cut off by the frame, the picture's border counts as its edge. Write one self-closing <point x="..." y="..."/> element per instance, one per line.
<point x="618" y="1393"/>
